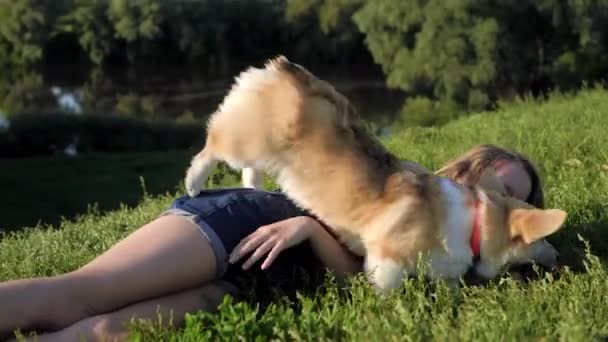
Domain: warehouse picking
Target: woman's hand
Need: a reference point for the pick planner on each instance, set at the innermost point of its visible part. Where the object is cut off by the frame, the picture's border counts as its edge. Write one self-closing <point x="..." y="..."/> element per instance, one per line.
<point x="272" y="239"/>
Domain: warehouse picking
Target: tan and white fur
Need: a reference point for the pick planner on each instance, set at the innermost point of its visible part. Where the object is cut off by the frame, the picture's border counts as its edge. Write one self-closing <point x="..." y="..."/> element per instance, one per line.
<point x="540" y="252"/>
<point x="283" y="119"/>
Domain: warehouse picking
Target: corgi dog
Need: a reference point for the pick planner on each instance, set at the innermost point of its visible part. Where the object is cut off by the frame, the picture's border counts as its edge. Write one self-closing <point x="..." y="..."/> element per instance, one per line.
<point x="541" y="252"/>
<point x="283" y="119"/>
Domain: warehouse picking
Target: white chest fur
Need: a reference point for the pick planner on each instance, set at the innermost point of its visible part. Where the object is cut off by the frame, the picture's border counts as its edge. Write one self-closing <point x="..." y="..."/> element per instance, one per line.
<point x="453" y="258"/>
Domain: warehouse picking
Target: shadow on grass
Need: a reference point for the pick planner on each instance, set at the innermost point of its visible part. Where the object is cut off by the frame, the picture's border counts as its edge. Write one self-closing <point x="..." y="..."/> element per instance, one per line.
<point x="572" y="249"/>
<point x="45" y="189"/>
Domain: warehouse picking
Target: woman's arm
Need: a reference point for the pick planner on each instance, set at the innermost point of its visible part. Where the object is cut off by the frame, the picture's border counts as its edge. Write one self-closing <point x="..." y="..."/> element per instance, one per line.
<point x="332" y="253"/>
<point x="270" y="240"/>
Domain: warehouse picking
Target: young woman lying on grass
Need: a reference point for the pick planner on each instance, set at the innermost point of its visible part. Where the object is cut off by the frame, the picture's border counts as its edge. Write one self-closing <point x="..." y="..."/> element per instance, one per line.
<point x="198" y="251"/>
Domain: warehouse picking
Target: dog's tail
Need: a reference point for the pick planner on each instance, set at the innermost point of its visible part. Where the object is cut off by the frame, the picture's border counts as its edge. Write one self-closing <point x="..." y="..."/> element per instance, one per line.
<point x="253" y="96"/>
<point x="282" y="64"/>
<point x="279" y="62"/>
<point x="261" y="88"/>
<point x="346" y="115"/>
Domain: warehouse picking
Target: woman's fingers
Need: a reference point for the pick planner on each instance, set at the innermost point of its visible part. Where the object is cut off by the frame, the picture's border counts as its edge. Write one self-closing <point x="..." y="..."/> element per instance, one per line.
<point x="278" y="247"/>
<point x="235" y="255"/>
<point x="259" y="252"/>
<point x="248" y="244"/>
<point x="273" y="237"/>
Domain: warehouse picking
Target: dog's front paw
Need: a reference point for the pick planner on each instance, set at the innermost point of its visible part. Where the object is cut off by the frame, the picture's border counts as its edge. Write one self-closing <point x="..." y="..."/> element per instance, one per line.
<point x="385" y="274"/>
<point x="193" y="185"/>
<point x="193" y="191"/>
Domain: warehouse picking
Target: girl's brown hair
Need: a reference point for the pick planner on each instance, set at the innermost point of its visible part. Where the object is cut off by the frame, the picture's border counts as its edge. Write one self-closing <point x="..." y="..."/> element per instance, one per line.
<point x="467" y="168"/>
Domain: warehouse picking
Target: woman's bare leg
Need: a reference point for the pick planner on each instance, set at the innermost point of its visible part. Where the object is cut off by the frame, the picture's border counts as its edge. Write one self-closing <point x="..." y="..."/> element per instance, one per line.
<point x="169" y="309"/>
<point x="166" y="255"/>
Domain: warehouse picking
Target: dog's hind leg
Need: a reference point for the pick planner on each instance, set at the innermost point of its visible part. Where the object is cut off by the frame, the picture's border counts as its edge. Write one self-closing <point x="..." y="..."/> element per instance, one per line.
<point x="252" y="177"/>
<point x="201" y="167"/>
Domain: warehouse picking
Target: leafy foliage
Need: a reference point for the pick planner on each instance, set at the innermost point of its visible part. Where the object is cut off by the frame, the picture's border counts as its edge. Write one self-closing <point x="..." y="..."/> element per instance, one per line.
<point x="14" y="86"/>
<point x="436" y="47"/>
<point x="449" y="56"/>
<point x="212" y="31"/>
<point x="87" y="22"/>
<point x="22" y="28"/>
<point x="454" y="56"/>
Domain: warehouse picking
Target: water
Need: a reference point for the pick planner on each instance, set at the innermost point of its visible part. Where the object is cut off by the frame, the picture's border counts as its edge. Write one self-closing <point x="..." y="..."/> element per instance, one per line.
<point x="180" y="94"/>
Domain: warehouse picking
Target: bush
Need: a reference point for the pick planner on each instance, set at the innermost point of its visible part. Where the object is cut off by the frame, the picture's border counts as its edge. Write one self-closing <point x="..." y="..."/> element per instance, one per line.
<point x="48" y="133"/>
<point x="422" y="111"/>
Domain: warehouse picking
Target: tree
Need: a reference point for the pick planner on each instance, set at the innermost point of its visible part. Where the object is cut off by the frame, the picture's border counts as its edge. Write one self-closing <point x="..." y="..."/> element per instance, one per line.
<point x="88" y="22"/>
<point x="22" y="29"/>
<point x="439" y="49"/>
<point x="454" y="56"/>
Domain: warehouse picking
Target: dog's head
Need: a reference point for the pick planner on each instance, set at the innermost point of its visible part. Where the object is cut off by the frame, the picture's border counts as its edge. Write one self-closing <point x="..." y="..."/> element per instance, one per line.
<point x="512" y="232"/>
<point x="541" y="251"/>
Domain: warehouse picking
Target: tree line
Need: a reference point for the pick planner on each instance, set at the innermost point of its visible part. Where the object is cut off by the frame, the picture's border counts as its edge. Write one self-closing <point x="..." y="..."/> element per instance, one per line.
<point x="455" y="56"/>
<point x="215" y="32"/>
<point x="449" y="56"/>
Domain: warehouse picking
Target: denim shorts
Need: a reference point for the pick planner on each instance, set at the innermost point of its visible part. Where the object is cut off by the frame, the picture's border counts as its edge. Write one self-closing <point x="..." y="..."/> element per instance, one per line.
<point x="226" y="216"/>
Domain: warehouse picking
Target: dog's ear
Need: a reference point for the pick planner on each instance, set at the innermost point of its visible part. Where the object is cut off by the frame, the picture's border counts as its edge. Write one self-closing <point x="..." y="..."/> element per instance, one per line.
<point x="534" y="224"/>
<point x="489" y="181"/>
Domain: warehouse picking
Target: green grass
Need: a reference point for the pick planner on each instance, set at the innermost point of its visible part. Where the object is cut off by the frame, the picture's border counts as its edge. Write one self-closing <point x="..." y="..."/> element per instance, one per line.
<point x="567" y="138"/>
